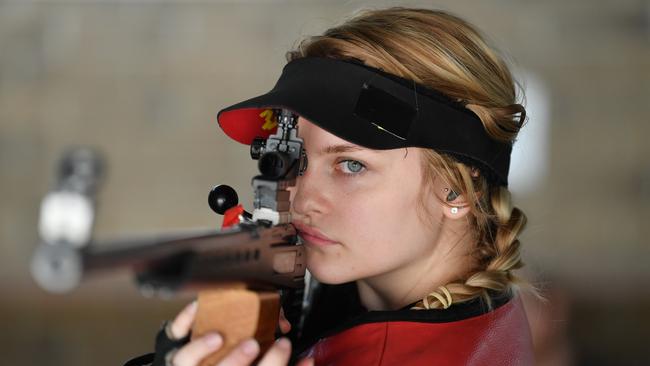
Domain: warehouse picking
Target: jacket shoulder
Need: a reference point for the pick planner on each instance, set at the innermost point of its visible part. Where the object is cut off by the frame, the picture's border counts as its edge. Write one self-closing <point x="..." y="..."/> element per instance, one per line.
<point x="498" y="337"/>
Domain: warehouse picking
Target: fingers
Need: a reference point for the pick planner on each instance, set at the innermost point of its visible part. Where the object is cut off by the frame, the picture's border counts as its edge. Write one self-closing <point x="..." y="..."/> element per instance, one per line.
<point x="192" y="353"/>
<point x="246" y="352"/>
<point x="285" y="326"/>
<point x="243" y="354"/>
<point x="182" y="324"/>
<point x="278" y="354"/>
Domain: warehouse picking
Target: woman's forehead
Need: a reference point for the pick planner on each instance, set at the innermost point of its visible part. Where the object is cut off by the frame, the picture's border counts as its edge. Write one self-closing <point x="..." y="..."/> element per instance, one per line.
<point x="316" y="138"/>
<point x="321" y="142"/>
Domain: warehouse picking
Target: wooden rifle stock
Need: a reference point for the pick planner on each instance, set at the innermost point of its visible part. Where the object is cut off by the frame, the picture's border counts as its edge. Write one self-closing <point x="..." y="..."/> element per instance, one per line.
<point x="237" y="313"/>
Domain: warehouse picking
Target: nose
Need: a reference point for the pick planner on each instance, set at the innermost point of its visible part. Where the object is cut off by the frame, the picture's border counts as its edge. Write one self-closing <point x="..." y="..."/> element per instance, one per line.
<point x="308" y="198"/>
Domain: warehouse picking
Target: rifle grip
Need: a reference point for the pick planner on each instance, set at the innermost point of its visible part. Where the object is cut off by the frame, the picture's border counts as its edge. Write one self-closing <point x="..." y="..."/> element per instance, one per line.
<point x="236" y="313"/>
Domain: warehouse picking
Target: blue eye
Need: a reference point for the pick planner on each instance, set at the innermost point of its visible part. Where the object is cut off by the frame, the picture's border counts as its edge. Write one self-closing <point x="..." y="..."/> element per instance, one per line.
<point x="351" y="167"/>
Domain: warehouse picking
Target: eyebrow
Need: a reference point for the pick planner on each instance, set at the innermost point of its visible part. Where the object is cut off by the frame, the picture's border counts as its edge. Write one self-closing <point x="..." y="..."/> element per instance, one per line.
<point x="337" y="149"/>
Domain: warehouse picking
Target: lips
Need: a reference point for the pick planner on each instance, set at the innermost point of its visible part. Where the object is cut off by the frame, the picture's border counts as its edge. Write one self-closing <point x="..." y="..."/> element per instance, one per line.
<point x="312" y="235"/>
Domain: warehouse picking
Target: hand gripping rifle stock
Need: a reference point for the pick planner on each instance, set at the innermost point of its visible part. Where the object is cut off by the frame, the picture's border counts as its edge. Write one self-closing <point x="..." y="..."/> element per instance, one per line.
<point x="243" y="273"/>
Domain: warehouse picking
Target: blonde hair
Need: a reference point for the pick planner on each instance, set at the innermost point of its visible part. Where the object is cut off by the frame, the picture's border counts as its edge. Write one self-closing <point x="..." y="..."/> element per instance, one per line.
<point x="445" y="53"/>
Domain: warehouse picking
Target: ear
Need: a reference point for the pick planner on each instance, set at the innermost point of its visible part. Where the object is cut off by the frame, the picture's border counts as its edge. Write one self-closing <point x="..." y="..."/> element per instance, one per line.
<point x="455" y="206"/>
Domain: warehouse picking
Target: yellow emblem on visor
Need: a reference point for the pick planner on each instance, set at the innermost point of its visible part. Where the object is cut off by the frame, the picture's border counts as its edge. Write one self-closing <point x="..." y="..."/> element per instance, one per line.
<point x="269" y="118"/>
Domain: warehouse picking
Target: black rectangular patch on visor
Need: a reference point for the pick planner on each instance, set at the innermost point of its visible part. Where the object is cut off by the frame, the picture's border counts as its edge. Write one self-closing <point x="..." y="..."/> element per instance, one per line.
<point x="385" y="111"/>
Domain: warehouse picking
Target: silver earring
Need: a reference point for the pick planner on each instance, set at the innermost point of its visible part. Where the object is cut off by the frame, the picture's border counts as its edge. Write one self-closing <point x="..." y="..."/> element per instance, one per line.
<point x="454" y="210"/>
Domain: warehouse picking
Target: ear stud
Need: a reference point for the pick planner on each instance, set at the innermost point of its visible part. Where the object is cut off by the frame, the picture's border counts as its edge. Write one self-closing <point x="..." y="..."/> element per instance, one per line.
<point x="454" y="210"/>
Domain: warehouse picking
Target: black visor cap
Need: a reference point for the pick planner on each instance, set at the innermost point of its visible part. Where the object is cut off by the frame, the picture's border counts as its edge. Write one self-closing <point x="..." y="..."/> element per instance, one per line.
<point x="373" y="109"/>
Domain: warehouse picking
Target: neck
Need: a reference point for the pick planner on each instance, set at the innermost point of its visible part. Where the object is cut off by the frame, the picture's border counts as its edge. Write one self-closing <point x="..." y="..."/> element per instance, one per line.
<point x="448" y="261"/>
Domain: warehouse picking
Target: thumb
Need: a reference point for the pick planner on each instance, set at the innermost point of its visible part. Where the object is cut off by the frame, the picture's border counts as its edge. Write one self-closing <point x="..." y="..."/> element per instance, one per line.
<point x="182" y="324"/>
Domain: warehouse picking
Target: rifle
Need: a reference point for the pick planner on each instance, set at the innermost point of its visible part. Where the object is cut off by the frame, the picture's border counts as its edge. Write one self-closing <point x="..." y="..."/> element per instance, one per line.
<point x="243" y="273"/>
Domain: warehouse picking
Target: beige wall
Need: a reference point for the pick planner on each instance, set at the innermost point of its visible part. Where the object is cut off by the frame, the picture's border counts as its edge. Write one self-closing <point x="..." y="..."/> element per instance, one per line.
<point x="143" y="80"/>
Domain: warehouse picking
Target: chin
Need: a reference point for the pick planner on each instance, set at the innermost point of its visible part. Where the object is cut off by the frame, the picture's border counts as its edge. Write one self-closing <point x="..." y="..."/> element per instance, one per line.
<point x="328" y="280"/>
<point x="327" y="273"/>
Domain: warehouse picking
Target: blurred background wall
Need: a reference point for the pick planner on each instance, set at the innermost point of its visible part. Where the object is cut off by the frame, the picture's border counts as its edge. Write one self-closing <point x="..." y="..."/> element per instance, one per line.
<point x="143" y="80"/>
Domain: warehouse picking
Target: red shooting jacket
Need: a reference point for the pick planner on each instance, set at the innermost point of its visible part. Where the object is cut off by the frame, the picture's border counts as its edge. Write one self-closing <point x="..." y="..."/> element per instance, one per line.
<point x="464" y="334"/>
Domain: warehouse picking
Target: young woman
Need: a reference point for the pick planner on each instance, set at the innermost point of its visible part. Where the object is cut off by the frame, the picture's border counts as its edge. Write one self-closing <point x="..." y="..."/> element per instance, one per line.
<point x="408" y="118"/>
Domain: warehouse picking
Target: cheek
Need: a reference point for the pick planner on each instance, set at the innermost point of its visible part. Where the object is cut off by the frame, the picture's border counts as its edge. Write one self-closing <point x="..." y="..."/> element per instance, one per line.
<point x="382" y="217"/>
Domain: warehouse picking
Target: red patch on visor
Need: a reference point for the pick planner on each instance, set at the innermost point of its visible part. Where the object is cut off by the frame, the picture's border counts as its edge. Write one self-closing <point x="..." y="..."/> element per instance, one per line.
<point x="244" y="125"/>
